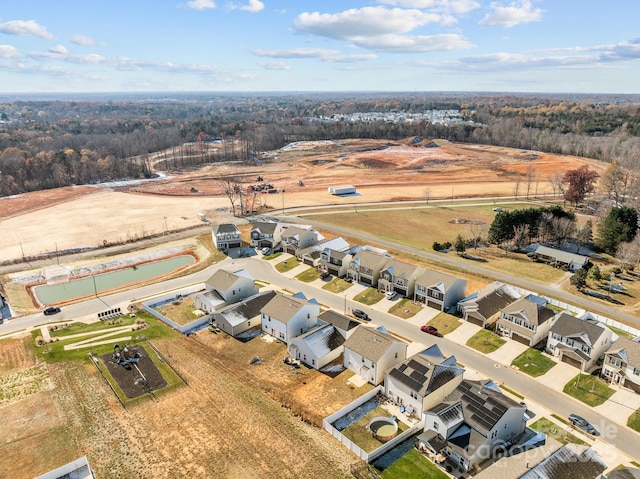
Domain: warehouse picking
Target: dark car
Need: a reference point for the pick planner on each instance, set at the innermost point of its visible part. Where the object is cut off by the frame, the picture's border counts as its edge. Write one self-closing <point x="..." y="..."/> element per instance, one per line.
<point x="51" y="310"/>
<point x="325" y="275"/>
<point x="430" y="330"/>
<point x="582" y="423"/>
<point x="358" y="313"/>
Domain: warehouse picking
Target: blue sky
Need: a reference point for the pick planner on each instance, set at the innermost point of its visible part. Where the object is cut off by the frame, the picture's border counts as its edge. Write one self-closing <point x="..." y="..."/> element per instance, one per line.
<point x="576" y="46"/>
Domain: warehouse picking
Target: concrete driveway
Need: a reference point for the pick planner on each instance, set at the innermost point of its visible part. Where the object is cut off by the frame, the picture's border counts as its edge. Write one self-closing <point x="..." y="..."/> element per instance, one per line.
<point x="558" y="376"/>
<point x="506" y="353"/>
<point x="463" y="332"/>
<point x="620" y="406"/>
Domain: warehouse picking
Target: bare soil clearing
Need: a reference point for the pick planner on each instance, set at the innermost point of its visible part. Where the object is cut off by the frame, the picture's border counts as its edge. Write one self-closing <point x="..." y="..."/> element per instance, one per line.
<point x="87" y="216"/>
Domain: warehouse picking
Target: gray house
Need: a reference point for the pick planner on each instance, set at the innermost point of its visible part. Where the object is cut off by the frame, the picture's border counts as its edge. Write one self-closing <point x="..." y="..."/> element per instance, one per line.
<point x="622" y="364"/>
<point x="226" y="236"/>
<point x="399" y="276"/>
<point x="265" y="235"/>
<point x="366" y="265"/>
<point x="240" y="317"/>
<point x="484" y="306"/>
<point x="559" y="258"/>
<point x="438" y="290"/>
<point x="225" y="287"/>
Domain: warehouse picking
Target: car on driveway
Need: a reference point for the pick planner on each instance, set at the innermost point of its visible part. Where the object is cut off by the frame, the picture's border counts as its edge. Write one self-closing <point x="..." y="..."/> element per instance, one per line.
<point x="266" y="251"/>
<point x="430" y="330"/>
<point x="325" y="275"/>
<point x="391" y="294"/>
<point x="358" y="313"/>
<point x="582" y="423"/>
<point x="51" y="310"/>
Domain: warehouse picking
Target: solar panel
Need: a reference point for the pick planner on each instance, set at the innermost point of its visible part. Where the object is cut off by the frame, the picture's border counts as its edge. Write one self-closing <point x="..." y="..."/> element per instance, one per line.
<point x="421" y="368"/>
<point x="417" y="376"/>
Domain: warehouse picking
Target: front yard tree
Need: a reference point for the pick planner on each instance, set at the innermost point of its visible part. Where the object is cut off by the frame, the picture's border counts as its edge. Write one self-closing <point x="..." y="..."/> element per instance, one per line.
<point x="579" y="278"/>
<point x="581" y="182"/>
<point x="459" y="244"/>
<point x="614" y="181"/>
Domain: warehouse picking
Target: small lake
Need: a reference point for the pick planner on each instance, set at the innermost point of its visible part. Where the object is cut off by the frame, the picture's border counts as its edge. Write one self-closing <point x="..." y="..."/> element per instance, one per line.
<point x="94" y="285"/>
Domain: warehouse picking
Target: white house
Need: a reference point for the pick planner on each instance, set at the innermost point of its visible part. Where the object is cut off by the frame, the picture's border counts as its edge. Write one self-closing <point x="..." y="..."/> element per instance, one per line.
<point x="226" y="236"/>
<point x="296" y="238"/>
<point x="622" y="364"/>
<point x="399" y="276"/>
<point x="470" y="426"/>
<point x="286" y="317"/>
<point x="370" y="352"/>
<point x="225" y="287"/>
<point x="239" y="317"/>
<point x="422" y="381"/>
<point x="579" y="342"/>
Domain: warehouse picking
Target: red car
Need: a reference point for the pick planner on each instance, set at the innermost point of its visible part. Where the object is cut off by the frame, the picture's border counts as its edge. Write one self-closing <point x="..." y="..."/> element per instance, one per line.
<point x="429" y="329"/>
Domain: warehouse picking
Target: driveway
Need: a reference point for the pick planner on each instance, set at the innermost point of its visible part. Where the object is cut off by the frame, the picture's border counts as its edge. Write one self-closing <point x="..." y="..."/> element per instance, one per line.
<point x="463" y="333"/>
<point x="558" y="376"/>
<point x="506" y="353"/>
<point x="620" y="406"/>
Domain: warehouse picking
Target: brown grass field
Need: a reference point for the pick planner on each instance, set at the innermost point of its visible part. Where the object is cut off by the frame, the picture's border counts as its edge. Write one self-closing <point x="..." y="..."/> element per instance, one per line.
<point x="233" y="420"/>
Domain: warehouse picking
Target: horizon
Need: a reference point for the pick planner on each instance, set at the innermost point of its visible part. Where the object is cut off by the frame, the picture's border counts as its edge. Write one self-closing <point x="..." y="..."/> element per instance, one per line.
<point x="524" y="46"/>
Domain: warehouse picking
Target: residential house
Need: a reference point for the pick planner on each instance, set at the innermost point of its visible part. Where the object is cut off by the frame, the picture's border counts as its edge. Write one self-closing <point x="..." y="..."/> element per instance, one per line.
<point x="483" y="307"/>
<point x="560" y="259"/>
<point x="237" y="318"/>
<point x="225" y="287"/>
<point x="285" y="317"/>
<point x="335" y="262"/>
<point x="323" y="344"/>
<point x="399" y="277"/>
<point x="527" y="320"/>
<point x="226" y="236"/>
<point x="370" y="352"/>
<point x="579" y="342"/>
<point x="551" y="460"/>
<point x="621" y="364"/>
<point x="296" y="238"/>
<point x="438" y="290"/>
<point x="311" y="254"/>
<point x="470" y="426"/>
<point x="366" y="265"/>
<point x="265" y="235"/>
<point x="422" y="381"/>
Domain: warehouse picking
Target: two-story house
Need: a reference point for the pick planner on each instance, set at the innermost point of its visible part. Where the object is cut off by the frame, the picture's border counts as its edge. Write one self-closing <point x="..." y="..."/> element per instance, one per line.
<point x="226" y="236"/>
<point x="370" y="352"/>
<point x="621" y="364"/>
<point x="225" y="287"/>
<point x="335" y="262"/>
<point x="236" y="318"/>
<point x="265" y="235"/>
<point x="527" y="320"/>
<point x="323" y="344"/>
<point x="422" y="381"/>
<point x="311" y="254"/>
<point x="399" y="277"/>
<point x="484" y="306"/>
<point x="366" y="265"/>
<point x="472" y="424"/>
<point x="285" y="317"/>
<point x="296" y="238"/>
<point x="439" y="290"/>
<point x="579" y="342"/>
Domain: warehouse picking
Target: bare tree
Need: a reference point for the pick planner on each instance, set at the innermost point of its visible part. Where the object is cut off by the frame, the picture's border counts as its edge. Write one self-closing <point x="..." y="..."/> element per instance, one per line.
<point x="529" y="180"/>
<point x="628" y="254"/>
<point x="520" y="236"/>
<point x="516" y="187"/>
<point x="427" y="194"/>
<point x="477" y="230"/>
<point x="232" y="189"/>
<point x="558" y="185"/>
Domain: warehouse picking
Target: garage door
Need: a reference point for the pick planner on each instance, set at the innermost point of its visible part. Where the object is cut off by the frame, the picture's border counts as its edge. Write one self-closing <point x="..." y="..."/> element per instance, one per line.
<point x="235" y="245"/>
<point x="365" y="280"/>
<point x="573" y="362"/>
<point x="520" y="339"/>
<point x="433" y="305"/>
<point x="308" y="261"/>
<point x="474" y="320"/>
<point x="631" y="385"/>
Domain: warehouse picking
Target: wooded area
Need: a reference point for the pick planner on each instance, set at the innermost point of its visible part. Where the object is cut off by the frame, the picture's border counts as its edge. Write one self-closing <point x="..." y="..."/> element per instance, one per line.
<point x="47" y="144"/>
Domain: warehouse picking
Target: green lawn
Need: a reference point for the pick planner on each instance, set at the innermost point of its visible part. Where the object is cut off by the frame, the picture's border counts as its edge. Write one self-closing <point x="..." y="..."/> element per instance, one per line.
<point x="405" y="309"/>
<point x="413" y="465"/>
<point x="308" y="275"/>
<point x="287" y="265"/>
<point x="272" y="255"/>
<point x="533" y="362"/>
<point x="485" y="341"/>
<point x="369" y="296"/>
<point x="445" y="323"/>
<point x="360" y="435"/>
<point x="337" y="285"/>
<point x="588" y="389"/>
<point x="553" y="430"/>
<point x="634" y="421"/>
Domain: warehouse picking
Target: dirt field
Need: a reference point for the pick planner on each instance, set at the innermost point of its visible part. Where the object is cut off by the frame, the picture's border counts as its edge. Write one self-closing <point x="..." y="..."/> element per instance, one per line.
<point x="75" y="217"/>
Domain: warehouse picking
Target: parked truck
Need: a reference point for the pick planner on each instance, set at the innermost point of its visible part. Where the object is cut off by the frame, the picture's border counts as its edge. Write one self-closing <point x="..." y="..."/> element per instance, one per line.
<point x="342" y="190"/>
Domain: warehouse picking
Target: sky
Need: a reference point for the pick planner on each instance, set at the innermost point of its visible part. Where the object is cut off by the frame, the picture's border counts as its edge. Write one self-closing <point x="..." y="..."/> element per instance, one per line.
<point x="552" y="46"/>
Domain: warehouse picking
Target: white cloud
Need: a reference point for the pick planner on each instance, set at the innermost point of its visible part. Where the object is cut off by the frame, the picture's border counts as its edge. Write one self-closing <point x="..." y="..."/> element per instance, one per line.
<point x="453" y="6"/>
<point x="275" y="66"/>
<point x="354" y="58"/>
<point x="516" y="13"/>
<point x="82" y="40"/>
<point x="24" y="28"/>
<point x="414" y="43"/>
<point x="510" y="61"/>
<point x="253" y="6"/>
<point x="201" y="4"/>
<point x="8" y="51"/>
<point x="59" y="50"/>
<point x="296" y="53"/>
<point x="364" y="22"/>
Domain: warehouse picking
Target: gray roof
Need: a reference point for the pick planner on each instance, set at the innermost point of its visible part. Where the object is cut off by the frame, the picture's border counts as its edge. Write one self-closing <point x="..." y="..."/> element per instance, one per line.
<point x="627" y="350"/>
<point x="496" y="300"/>
<point x="531" y="311"/>
<point x="625" y="473"/>
<point x="238" y="313"/>
<point x="294" y="231"/>
<point x="334" y="253"/>
<point x="223" y="279"/>
<point x="263" y="227"/>
<point x="340" y="321"/>
<point x="430" y="278"/>
<point x="323" y="340"/>
<point x="370" y="260"/>
<point x="562" y="256"/>
<point x="400" y="269"/>
<point x="569" y="462"/>
<point x="370" y="343"/>
<point x="283" y="308"/>
<point x="583" y="330"/>
<point x="225" y="228"/>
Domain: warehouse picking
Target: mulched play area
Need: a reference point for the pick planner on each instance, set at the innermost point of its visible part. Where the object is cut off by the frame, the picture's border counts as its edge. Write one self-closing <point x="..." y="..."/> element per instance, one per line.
<point x="133" y="370"/>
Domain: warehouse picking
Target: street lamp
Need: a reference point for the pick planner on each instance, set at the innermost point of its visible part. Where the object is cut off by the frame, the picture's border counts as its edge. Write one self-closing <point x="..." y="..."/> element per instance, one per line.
<point x="345" y="303"/>
<point x="282" y="201"/>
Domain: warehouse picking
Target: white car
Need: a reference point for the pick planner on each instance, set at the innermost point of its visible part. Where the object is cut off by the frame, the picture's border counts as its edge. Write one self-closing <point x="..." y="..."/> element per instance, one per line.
<point x="391" y="294"/>
<point x="266" y="251"/>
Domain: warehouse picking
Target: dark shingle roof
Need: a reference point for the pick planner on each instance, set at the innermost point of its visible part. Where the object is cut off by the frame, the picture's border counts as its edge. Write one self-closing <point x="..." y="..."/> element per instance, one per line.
<point x="247" y="309"/>
<point x="340" y="321"/>
<point x="627" y="350"/>
<point x="569" y="326"/>
<point x="568" y="463"/>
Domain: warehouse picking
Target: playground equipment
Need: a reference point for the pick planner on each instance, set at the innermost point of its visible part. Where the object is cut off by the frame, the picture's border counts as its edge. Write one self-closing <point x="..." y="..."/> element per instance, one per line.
<point x="124" y="357"/>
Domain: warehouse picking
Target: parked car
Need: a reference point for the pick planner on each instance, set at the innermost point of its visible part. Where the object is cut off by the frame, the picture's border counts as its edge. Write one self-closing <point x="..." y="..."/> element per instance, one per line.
<point x="358" y="313"/>
<point x="582" y="423"/>
<point x="391" y="294"/>
<point x="325" y="275"/>
<point x="430" y="330"/>
<point x="266" y="250"/>
<point x="498" y="210"/>
<point x="51" y="310"/>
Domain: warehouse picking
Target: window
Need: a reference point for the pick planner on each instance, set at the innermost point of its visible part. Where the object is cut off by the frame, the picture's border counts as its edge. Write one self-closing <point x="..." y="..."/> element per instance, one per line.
<point x="615" y="361"/>
<point x="435" y="425"/>
<point x="636" y="371"/>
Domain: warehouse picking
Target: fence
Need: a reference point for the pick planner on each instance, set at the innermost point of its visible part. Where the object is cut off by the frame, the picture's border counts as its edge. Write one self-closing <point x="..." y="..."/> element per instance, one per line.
<point x="149" y="307"/>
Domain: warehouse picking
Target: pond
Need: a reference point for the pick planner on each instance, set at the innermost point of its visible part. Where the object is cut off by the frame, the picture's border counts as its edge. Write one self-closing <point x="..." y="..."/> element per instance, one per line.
<point x="98" y="283"/>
